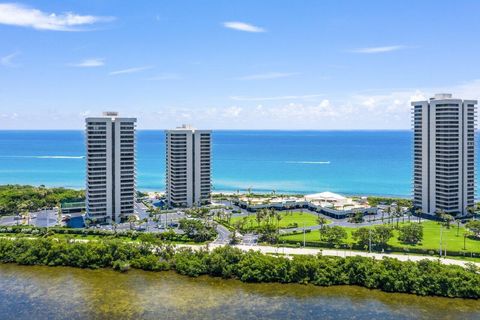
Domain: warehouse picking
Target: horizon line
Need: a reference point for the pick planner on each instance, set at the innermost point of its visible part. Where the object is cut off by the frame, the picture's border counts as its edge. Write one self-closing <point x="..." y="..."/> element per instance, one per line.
<point x="163" y="129"/>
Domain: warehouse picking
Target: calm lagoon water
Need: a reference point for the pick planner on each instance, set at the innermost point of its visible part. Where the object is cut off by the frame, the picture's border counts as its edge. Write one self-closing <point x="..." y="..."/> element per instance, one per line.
<point x="37" y="292"/>
<point x="351" y="162"/>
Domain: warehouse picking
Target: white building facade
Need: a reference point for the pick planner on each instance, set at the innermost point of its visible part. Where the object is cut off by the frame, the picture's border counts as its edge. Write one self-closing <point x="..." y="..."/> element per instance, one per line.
<point x="111" y="167"/>
<point x="188" y="167"/>
<point x="444" y="154"/>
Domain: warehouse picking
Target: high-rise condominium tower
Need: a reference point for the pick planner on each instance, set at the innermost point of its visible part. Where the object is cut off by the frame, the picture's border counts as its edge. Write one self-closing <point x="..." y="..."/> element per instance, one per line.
<point x="110" y="142"/>
<point x="444" y="154"/>
<point x="188" y="166"/>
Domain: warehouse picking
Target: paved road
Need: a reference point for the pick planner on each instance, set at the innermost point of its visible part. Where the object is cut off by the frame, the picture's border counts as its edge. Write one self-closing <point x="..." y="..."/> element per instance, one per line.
<point x="170" y="219"/>
<point x="45" y="218"/>
<point x="223" y="235"/>
<point x="9" y="221"/>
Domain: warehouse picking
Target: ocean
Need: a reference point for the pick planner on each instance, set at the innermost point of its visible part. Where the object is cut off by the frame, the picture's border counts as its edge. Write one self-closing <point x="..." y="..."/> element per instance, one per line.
<point x="347" y="162"/>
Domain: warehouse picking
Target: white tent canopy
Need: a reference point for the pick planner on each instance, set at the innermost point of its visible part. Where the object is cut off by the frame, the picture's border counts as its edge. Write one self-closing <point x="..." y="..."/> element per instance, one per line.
<point x="325" y="196"/>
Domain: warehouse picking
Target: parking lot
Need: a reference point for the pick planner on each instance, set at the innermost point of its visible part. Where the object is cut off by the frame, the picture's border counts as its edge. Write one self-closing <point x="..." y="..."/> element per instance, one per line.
<point x="43" y="218"/>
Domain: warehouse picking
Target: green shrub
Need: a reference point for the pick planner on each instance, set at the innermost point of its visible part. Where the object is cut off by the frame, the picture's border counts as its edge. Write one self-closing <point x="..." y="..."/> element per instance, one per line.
<point x="425" y="277"/>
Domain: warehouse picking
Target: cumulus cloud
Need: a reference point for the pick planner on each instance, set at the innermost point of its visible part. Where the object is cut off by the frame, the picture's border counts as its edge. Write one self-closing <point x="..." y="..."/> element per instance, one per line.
<point x="23" y="16"/>
<point x="242" y="26"/>
<point x="385" y="109"/>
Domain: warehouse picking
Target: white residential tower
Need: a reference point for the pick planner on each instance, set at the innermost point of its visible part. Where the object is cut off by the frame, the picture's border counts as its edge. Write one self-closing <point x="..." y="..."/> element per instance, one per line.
<point x="188" y="166"/>
<point x="444" y="154"/>
<point x="110" y="161"/>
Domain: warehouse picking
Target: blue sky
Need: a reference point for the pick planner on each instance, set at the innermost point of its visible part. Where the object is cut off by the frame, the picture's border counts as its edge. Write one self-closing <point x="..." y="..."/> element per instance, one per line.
<point x="233" y="64"/>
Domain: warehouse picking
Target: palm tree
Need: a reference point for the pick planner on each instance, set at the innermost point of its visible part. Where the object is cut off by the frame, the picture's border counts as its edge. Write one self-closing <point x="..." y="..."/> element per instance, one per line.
<point x="131" y="219"/>
<point x="322" y="222"/>
<point x="448" y="218"/>
<point x="87" y="222"/>
<point x="398" y="213"/>
<point x="259" y="216"/>
<point x="279" y="217"/>
<point x="146" y="223"/>
<point x="439" y="213"/>
<point x="271" y="215"/>
<point x="389" y="211"/>
<point x="114" y="226"/>
<point x="418" y="212"/>
<point x="471" y="210"/>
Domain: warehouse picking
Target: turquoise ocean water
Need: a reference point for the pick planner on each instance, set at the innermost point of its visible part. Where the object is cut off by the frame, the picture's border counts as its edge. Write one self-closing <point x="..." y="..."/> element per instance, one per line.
<point x="350" y="162"/>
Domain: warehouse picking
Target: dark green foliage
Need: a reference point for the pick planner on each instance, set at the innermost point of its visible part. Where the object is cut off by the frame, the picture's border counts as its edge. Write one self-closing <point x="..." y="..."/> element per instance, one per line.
<point x="334" y="235"/>
<point x="378" y="236"/>
<point x="423" y="278"/>
<point x="411" y="233"/>
<point x="474" y="227"/>
<point x="383" y="233"/>
<point x="168" y="235"/>
<point x="197" y="230"/>
<point x="356" y="217"/>
<point x="267" y="233"/>
<point x="18" y="198"/>
<point x="374" y="201"/>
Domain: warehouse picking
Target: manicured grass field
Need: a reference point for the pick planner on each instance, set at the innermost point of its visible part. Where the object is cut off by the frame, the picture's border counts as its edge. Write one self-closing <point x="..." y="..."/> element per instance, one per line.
<point x="288" y="218"/>
<point x="431" y="238"/>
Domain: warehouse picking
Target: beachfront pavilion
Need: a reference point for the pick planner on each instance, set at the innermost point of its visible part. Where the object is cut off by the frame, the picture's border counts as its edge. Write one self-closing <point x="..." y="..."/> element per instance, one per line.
<point x="331" y="200"/>
<point x="329" y="203"/>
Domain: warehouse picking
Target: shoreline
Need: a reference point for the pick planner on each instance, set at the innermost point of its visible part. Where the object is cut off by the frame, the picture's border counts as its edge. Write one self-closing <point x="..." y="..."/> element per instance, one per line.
<point x="231" y="191"/>
<point x="249" y="266"/>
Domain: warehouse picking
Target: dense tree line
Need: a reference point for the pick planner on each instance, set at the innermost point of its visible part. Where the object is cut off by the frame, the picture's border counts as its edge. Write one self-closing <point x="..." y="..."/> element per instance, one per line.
<point x="197" y="230"/>
<point x="16" y="199"/>
<point x="198" y="233"/>
<point x="423" y="278"/>
<point x="375" y="201"/>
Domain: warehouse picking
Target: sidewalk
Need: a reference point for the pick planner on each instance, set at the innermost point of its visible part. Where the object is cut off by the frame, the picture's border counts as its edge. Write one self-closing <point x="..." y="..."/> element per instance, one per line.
<point x="344" y="253"/>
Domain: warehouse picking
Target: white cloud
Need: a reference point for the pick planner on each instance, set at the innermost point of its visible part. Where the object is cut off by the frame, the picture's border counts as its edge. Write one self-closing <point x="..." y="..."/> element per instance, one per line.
<point x="85" y="113"/>
<point x="232" y="112"/>
<point x="301" y="97"/>
<point x="379" y="49"/>
<point x="90" y="63"/>
<point x="242" y="26"/>
<point x="165" y="76"/>
<point x="23" y="16"/>
<point x="373" y="109"/>
<point x="381" y="109"/>
<point x="130" y="70"/>
<point x="7" y="61"/>
<point x="269" y="75"/>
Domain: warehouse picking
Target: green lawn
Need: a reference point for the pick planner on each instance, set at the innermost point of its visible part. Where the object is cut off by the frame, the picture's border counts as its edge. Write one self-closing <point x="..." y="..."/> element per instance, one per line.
<point x="431" y="238"/>
<point x="288" y="219"/>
